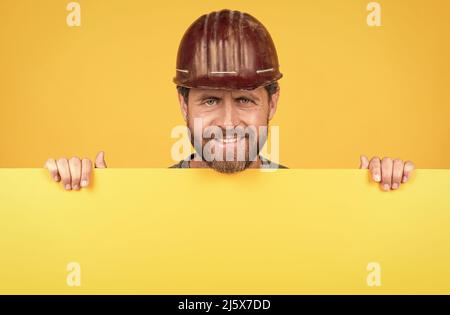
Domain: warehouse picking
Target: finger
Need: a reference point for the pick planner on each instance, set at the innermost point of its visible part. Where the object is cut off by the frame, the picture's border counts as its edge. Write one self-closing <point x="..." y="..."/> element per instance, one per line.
<point x="100" y="160"/>
<point x="75" y="172"/>
<point x="386" y="173"/>
<point x="53" y="169"/>
<point x="364" y="162"/>
<point x="64" y="172"/>
<point x="375" y="169"/>
<point x="407" y="170"/>
<point x="397" y="173"/>
<point x="86" y="169"/>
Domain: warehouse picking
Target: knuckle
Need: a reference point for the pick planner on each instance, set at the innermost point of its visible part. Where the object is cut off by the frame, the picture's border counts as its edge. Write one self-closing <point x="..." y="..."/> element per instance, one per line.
<point x="75" y="159"/>
<point x="62" y="160"/>
<point x="374" y="169"/>
<point x="74" y="174"/>
<point x="374" y="163"/>
<point x="387" y="174"/>
<point x="397" y="175"/>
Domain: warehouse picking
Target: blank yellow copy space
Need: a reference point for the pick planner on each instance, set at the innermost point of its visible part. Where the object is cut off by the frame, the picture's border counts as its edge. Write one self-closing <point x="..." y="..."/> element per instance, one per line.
<point x="195" y="231"/>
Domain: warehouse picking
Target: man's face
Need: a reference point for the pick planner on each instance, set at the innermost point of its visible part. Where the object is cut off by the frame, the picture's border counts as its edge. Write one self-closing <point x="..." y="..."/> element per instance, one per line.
<point x="227" y="126"/>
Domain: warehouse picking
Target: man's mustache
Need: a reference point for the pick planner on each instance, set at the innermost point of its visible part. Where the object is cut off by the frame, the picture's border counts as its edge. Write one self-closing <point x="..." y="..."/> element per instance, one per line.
<point x="220" y="133"/>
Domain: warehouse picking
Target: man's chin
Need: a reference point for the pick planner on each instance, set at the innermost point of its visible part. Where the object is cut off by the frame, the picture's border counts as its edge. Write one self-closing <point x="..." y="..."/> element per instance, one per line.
<point x="229" y="167"/>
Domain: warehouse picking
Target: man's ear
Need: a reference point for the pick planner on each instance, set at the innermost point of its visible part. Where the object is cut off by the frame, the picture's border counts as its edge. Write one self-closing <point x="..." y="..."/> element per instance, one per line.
<point x="273" y="102"/>
<point x="183" y="106"/>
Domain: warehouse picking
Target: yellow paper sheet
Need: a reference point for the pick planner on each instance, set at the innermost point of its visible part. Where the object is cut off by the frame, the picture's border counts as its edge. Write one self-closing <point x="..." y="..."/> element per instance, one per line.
<point x="186" y="231"/>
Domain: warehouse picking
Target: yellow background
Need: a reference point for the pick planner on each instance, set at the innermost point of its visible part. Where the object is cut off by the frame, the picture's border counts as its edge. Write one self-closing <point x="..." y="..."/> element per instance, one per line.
<point x="258" y="232"/>
<point x="347" y="89"/>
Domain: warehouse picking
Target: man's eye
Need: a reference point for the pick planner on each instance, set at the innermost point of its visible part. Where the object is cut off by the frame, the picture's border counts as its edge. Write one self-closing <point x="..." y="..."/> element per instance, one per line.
<point x="244" y="100"/>
<point x="211" y="101"/>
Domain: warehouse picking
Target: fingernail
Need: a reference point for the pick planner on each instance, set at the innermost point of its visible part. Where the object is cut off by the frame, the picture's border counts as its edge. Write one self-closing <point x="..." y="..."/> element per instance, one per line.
<point x="386" y="187"/>
<point x="76" y="187"/>
<point x="394" y="186"/>
<point x="56" y="178"/>
<point x="68" y="187"/>
<point x="405" y="179"/>
<point x="376" y="177"/>
<point x="84" y="183"/>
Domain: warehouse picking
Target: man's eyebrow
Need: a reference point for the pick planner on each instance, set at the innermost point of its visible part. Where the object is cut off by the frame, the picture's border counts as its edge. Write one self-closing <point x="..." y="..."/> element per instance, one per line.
<point x="205" y="96"/>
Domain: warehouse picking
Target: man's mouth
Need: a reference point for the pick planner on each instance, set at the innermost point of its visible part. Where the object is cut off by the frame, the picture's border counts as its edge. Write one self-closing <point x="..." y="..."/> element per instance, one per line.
<point x="227" y="140"/>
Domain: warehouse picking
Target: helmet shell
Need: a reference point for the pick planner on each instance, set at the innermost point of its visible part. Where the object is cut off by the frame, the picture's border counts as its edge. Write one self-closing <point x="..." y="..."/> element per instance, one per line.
<point x="226" y="50"/>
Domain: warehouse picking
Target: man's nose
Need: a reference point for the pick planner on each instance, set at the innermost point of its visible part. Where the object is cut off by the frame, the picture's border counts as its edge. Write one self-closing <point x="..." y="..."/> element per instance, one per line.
<point x="229" y="116"/>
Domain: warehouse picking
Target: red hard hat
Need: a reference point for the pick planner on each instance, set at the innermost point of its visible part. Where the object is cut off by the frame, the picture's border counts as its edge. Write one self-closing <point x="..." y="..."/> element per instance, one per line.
<point x="226" y="50"/>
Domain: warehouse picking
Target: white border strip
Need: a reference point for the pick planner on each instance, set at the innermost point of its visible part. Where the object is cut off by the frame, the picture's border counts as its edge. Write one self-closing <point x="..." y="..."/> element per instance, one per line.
<point x="264" y="70"/>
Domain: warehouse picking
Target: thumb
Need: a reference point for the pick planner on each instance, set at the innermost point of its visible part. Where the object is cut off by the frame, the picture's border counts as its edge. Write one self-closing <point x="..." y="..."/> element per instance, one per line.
<point x="100" y="160"/>
<point x="364" y="162"/>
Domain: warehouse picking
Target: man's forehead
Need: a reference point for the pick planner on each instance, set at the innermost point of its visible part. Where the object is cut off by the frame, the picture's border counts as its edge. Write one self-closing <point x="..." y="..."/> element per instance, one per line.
<point x="222" y="92"/>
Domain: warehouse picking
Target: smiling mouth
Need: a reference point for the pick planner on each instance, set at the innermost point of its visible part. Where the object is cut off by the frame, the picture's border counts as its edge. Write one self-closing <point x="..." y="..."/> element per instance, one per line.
<point x="229" y="139"/>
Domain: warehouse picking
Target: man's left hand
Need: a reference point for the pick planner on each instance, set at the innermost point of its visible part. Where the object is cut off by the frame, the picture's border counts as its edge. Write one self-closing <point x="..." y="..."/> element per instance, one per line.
<point x="390" y="173"/>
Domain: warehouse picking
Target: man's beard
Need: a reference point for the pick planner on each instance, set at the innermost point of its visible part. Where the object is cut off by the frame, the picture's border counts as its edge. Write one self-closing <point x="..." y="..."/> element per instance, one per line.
<point x="238" y="163"/>
<point x="229" y="166"/>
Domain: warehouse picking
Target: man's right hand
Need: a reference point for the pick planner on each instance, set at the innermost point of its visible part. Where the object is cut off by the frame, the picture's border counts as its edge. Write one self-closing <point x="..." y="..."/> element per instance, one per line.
<point x="74" y="173"/>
